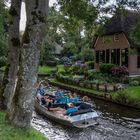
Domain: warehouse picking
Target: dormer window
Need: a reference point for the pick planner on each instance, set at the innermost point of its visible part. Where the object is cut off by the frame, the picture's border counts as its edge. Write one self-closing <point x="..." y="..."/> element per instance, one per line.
<point x="116" y="37"/>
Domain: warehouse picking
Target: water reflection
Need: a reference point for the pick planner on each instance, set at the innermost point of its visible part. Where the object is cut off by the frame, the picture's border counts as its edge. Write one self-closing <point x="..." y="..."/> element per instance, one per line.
<point x="115" y="123"/>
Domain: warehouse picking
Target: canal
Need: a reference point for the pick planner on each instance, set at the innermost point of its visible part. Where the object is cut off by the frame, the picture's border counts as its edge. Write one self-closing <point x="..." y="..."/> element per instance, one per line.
<point x="115" y="123"/>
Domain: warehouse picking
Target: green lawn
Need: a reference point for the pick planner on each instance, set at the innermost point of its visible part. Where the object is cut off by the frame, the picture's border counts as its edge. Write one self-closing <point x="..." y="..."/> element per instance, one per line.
<point x="46" y="69"/>
<point x="60" y="67"/>
<point x="7" y="132"/>
<point x="134" y="92"/>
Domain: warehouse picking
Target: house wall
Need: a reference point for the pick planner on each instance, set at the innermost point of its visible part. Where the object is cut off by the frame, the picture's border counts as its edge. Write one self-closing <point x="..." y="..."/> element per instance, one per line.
<point x="133" y="65"/>
<point x="122" y="43"/>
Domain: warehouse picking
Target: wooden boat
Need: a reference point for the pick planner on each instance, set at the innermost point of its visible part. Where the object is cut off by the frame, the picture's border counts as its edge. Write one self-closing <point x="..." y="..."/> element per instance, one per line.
<point x="79" y="119"/>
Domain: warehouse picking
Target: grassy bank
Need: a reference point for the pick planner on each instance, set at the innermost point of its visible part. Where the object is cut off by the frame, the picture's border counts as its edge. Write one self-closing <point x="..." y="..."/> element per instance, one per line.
<point x="7" y="132"/>
<point x="130" y="95"/>
<point x="46" y="69"/>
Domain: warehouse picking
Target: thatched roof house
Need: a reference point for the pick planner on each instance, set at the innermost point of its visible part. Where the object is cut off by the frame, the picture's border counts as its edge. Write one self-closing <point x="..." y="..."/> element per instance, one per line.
<point x="115" y="43"/>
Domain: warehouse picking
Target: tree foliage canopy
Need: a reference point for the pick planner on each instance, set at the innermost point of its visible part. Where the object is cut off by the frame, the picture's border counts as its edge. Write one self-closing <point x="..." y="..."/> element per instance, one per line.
<point x="3" y="33"/>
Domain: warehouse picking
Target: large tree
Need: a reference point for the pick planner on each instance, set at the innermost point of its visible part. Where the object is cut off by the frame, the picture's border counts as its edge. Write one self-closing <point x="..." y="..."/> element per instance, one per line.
<point x="8" y="84"/>
<point x="20" y="112"/>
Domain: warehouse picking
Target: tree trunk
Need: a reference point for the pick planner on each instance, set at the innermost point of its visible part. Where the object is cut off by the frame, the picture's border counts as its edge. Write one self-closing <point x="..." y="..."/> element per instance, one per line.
<point x="20" y="112"/>
<point x="8" y="84"/>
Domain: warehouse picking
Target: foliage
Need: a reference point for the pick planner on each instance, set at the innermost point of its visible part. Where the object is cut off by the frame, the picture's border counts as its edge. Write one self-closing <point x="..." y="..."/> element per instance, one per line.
<point x="2" y="61"/>
<point x="90" y="64"/>
<point x="86" y="54"/>
<point x="79" y="67"/>
<point x="46" y="70"/>
<point x="129" y="95"/>
<point x="121" y="96"/>
<point x="120" y="71"/>
<point x="46" y="53"/>
<point x="10" y="133"/>
<point x="136" y="33"/>
<point x="69" y="49"/>
<point x="68" y="69"/>
<point x="65" y="60"/>
<point x="134" y="83"/>
<point x="93" y="75"/>
<point x="3" y="34"/>
<point x="134" y="79"/>
<point x="60" y="70"/>
<point x="105" y="68"/>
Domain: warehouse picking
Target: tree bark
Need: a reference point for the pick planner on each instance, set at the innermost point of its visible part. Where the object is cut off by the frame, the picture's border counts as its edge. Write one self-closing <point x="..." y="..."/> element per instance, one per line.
<point x="8" y="84"/>
<point x="20" y="112"/>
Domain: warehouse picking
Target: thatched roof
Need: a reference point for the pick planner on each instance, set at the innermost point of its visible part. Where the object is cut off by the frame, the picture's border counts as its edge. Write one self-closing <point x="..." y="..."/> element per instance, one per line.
<point x="122" y="23"/>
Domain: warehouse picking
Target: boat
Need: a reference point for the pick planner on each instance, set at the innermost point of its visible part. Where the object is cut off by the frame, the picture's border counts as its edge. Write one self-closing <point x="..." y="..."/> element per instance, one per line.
<point x="79" y="119"/>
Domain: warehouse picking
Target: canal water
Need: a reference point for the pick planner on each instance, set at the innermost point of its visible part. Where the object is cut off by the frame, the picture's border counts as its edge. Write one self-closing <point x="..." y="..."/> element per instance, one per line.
<point x="115" y="123"/>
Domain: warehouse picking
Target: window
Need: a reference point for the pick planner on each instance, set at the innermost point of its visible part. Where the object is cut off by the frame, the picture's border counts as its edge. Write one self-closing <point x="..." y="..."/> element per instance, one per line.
<point x="107" y="55"/>
<point x="118" y="57"/>
<point x="138" y="61"/>
<point x="124" y="57"/>
<point x="116" y="37"/>
<point x="102" y="56"/>
<point x="113" y="56"/>
<point x="97" y="56"/>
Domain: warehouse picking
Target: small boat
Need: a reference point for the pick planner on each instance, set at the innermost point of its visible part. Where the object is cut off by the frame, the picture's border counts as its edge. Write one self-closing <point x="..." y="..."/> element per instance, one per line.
<point x="79" y="119"/>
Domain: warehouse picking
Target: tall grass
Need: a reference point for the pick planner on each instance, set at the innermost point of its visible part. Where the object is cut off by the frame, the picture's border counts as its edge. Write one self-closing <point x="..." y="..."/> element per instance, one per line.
<point x="8" y="132"/>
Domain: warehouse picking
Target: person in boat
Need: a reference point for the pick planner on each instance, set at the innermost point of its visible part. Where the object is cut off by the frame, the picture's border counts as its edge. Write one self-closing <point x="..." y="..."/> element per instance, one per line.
<point x="46" y="100"/>
<point x="58" y="95"/>
<point x="40" y="90"/>
<point x="51" y="92"/>
<point x="75" y="98"/>
<point x="58" y="92"/>
<point x="85" y="104"/>
<point x="72" y="108"/>
<point x="70" y="95"/>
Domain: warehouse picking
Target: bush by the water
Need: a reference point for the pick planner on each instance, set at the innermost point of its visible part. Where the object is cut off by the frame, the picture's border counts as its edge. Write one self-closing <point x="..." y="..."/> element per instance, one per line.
<point x="134" y="83"/>
<point x="105" y="68"/>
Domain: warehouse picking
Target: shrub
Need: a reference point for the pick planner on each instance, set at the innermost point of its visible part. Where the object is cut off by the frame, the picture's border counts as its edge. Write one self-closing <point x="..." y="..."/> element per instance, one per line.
<point x="91" y="74"/>
<point x="65" y="60"/>
<point x="134" y="83"/>
<point x="51" y="63"/>
<point x="79" y="67"/>
<point x="90" y="64"/>
<point x="61" y="71"/>
<point x="135" y="78"/>
<point x="119" y="71"/>
<point x="68" y="69"/>
<point x="122" y="96"/>
<point x="105" y="68"/>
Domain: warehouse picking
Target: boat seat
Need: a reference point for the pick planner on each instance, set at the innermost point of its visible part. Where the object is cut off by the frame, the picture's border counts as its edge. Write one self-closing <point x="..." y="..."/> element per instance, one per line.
<point x="81" y="112"/>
